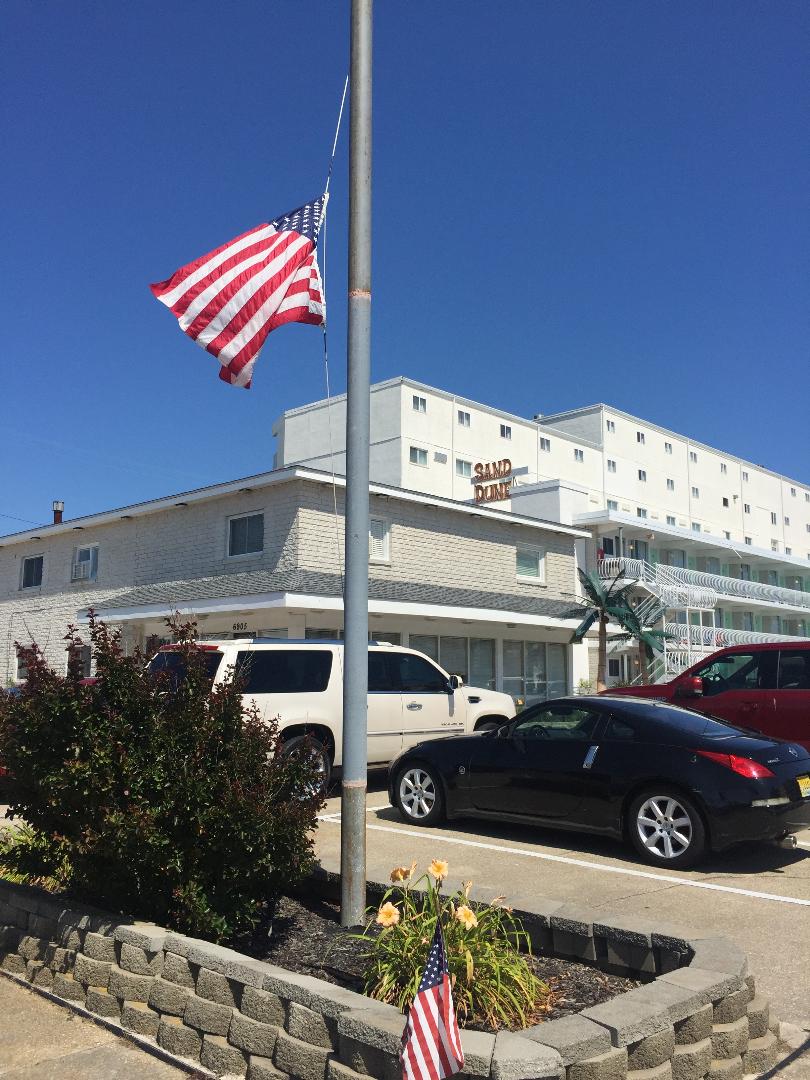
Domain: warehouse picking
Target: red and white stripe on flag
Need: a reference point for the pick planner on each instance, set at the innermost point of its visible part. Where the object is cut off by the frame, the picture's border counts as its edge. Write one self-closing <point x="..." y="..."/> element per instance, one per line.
<point x="431" y="1043"/>
<point x="229" y="300"/>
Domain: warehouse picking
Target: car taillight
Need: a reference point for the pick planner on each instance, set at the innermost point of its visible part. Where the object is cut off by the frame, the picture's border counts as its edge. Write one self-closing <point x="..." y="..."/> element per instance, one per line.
<point x="743" y="766"/>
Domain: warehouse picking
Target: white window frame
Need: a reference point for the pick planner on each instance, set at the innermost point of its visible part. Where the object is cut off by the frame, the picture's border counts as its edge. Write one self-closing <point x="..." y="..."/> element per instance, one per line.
<point x="531" y="579"/>
<point x="746" y="508"/>
<point x="671" y="519"/>
<point x="695" y="493"/>
<point x="506" y="431"/>
<point x="27" y="559"/>
<point x="545" y="444"/>
<point x="642" y="475"/>
<point x="787" y="520"/>
<point x="414" y="454"/>
<point x="465" y="473"/>
<point x="239" y="517"/>
<point x="382" y="554"/>
<point x="667" y="447"/>
<point x="693" y="455"/>
<point x="611" y="465"/>
<point x="793" y="492"/>
<point x="723" y="467"/>
<point x="641" y="437"/>
<point x="611" y="426"/>
<point x="76" y="571"/>
<point x="773" y="518"/>
<point x="612" y="504"/>
<point x="463" y="418"/>
<point x="579" y="455"/>
<point x="745" y="476"/>
<point x="670" y="484"/>
<point x="641" y="512"/>
<point x="748" y="540"/>
<point x="696" y="527"/>
<point x="419" y="403"/>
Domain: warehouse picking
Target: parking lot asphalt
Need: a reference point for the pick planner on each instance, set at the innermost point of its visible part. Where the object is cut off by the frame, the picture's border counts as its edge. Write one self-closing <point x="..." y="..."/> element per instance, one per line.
<point x="759" y="896"/>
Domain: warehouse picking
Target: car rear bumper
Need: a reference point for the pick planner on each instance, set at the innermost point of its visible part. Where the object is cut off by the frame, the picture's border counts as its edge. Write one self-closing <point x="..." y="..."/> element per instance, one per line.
<point x="756" y="823"/>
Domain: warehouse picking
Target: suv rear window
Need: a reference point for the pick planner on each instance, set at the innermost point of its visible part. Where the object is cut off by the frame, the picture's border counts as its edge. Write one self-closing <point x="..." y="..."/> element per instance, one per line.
<point x="174" y="663"/>
<point x="284" y="671"/>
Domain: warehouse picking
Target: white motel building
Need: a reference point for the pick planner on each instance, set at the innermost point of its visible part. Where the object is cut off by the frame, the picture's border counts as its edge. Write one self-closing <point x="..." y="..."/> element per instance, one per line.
<point x="479" y="522"/>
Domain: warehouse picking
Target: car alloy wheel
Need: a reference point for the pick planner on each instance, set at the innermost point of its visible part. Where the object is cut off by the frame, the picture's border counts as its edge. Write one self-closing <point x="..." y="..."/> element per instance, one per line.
<point x="419" y="795"/>
<point x="666" y="828"/>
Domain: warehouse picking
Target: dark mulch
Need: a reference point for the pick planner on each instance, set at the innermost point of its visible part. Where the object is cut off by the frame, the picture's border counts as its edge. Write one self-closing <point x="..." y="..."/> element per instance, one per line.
<point x="307" y="938"/>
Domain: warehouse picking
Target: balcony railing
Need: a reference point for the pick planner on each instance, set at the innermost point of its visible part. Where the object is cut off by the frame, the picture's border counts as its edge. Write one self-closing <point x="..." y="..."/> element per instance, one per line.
<point x="662" y="575"/>
<point x="717" y="637"/>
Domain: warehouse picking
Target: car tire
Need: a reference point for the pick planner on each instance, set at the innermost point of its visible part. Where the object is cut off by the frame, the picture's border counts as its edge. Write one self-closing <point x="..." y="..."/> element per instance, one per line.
<point x="308" y="744"/>
<point x="419" y="795"/>
<point x="666" y="828"/>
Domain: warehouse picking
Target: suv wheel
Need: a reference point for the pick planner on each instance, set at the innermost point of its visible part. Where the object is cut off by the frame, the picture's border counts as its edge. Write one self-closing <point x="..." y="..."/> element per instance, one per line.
<point x="418" y="794"/>
<point x="317" y="753"/>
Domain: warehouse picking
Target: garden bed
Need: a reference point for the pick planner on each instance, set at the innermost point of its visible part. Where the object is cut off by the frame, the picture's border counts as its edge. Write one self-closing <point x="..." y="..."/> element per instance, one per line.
<point x="307" y="938"/>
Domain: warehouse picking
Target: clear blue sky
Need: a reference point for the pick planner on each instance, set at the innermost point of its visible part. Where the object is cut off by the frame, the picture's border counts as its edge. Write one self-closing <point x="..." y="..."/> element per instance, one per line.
<point x="574" y="201"/>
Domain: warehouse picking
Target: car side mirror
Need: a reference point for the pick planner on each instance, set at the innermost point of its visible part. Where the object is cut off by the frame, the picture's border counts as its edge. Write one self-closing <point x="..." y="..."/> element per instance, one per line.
<point x="504" y="730"/>
<point x="691" y="687"/>
<point x="454" y="682"/>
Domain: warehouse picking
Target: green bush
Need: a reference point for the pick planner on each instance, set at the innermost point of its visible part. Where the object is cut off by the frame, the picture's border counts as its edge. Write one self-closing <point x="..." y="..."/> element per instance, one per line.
<point x="493" y="984"/>
<point x="159" y="799"/>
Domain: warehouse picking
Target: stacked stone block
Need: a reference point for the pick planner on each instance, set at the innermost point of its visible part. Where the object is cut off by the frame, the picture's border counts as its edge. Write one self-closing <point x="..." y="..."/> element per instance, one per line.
<point x="697" y="1017"/>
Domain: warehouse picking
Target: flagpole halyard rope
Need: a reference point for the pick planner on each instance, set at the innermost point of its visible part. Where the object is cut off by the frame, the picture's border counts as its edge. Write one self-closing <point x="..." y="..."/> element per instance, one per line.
<point x="337" y="133"/>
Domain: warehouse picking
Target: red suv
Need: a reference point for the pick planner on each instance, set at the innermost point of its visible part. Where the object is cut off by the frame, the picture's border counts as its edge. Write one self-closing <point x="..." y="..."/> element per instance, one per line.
<point x="761" y="687"/>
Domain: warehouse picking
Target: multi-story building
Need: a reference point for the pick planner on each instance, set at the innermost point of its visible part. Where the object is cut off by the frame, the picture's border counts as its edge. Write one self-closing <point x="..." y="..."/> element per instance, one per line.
<point x="487" y="593"/>
<point x="722" y="543"/>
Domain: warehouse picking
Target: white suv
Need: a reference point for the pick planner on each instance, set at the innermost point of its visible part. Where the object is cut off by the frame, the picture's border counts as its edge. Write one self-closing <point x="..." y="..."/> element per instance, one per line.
<point x="410" y="698"/>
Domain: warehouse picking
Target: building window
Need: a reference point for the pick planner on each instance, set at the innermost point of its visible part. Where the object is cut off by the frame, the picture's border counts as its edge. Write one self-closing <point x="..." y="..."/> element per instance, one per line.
<point x="773" y="518"/>
<point x="419" y="403"/>
<point x="787" y="520"/>
<point x="579" y="455"/>
<point x="463" y="468"/>
<point x="84" y="659"/>
<point x="642" y="475"/>
<point x="670" y="519"/>
<point x="545" y="444"/>
<point x="530" y="564"/>
<point x="611" y="465"/>
<point x="727" y="535"/>
<point x="695" y="493"/>
<point x="807" y="496"/>
<point x="32" y="572"/>
<point x="748" y="540"/>
<point x="774" y="545"/>
<point x="611" y="425"/>
<point x="640" y="437"/>
<point x="378" y="540"/>
<point x="246" y="534"/>
<point x="506" y="431"/>
<point x="692" y="455"/>
<point x="670" y="485"/>
<point x="723" y="468"/>
<point x="22" y="669"/>
<point x="418" y="456"/>
<point x="667" y="447"/>
<point x="788" y="551"/>
<point x="614" y="667"/>
<point x="613" y="505"/>
<point x="725" y="501"/>
<point x="641" y="512"/>
<point x="745" y="476"/>
<point x="463" y="418"/>
<point x="85" y="564"/>
<point x="807" y="527"/>
<point x="695" y="526"/>
<point x="533" y="670"/>
<point x="793" y="492"/>
<point x="746" y="508"/>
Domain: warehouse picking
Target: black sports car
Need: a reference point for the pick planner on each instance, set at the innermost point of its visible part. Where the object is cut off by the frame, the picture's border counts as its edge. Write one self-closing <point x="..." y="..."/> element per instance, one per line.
<point x="671" y="781"/>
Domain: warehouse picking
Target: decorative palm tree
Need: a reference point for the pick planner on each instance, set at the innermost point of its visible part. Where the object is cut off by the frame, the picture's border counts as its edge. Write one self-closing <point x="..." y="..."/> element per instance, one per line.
<point x="609" y="602"/>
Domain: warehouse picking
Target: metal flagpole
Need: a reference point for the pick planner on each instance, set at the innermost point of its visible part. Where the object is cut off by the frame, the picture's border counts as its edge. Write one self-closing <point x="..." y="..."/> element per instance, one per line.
<point x="355" y="682"/>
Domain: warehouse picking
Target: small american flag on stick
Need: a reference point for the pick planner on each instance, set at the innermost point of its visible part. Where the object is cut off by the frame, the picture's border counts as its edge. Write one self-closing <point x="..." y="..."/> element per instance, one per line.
<point x="431" y="1043"/>
<point x="229" y="300"/>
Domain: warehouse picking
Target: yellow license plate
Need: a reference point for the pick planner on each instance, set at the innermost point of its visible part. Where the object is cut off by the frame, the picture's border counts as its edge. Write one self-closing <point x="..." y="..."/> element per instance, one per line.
<point x="804" y="786"/>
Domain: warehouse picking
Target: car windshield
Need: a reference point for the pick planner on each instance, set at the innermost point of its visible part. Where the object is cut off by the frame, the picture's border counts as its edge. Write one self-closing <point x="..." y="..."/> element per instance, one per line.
<point x="174" y="664"/>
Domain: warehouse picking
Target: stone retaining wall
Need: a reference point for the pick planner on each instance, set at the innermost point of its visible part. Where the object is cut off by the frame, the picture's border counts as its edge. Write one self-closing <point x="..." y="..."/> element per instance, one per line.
<point x="697" y="1018"/>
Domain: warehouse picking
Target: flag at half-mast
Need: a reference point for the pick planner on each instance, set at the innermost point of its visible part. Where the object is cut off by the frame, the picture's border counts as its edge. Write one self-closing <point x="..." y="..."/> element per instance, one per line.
<point x="229" y="300"/>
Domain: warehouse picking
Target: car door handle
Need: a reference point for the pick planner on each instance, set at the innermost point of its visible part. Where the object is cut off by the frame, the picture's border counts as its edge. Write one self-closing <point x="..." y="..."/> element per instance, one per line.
<point x="413" y="705"/>
<point x="590" y="756"/>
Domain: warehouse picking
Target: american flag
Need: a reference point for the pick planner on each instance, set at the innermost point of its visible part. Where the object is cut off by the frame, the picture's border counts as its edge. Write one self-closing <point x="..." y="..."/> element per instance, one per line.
<point x="431" y="1044"/>
<point x="229" y="300"/>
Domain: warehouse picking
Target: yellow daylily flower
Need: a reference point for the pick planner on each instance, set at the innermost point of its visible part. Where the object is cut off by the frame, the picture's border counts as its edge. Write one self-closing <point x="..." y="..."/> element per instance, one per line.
<point x="388" y="915"/>
<point x="400" y="873"/>
<point x="438" y="869"/>
<point x="466" y="916"/>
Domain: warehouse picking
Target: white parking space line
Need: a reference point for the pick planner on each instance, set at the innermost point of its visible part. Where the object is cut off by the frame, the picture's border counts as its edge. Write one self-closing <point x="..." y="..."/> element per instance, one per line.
<point x="667" y="879"/>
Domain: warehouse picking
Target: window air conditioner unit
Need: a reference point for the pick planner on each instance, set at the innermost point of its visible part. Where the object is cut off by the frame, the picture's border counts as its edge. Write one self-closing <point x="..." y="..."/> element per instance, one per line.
<point x="81" y="571"/>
